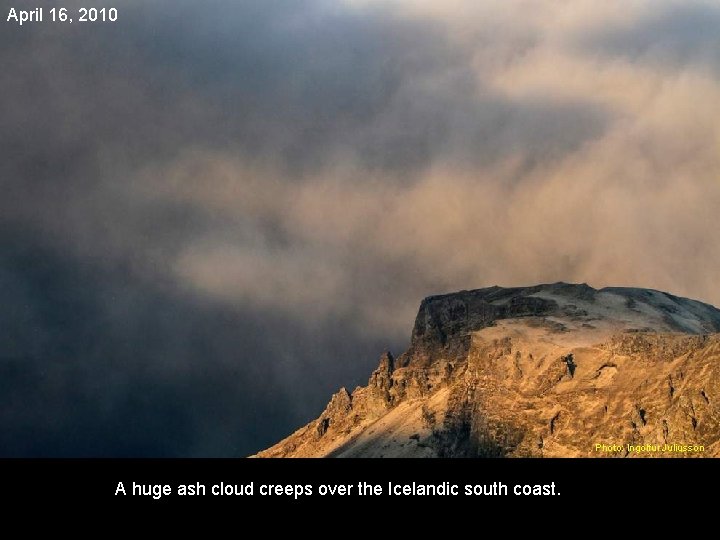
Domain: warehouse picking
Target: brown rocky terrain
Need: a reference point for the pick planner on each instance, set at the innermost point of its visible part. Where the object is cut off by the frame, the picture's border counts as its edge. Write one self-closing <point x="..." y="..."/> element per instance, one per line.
<point x="546" y="371"/>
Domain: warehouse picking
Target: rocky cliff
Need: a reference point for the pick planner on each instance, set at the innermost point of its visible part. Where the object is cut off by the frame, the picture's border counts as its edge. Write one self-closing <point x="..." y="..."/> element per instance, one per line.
<point x="550" y="370"/>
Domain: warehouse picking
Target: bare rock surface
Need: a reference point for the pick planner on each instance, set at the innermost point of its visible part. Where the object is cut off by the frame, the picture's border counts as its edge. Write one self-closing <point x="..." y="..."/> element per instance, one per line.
<point x="544" y="371"/>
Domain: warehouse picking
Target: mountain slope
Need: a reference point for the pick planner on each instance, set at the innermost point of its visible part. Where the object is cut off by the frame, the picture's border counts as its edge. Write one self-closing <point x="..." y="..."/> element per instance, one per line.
<point x="549" y="370"/>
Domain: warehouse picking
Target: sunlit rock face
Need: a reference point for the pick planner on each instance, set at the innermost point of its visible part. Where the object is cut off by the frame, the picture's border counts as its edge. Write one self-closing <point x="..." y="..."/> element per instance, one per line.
<point x="557" y="370"/>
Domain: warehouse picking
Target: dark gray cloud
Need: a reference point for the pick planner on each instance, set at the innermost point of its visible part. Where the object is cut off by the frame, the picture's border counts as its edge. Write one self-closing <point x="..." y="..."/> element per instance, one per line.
<point x="98" y="362"/>
<point x="214" y="214"/>
<point x="678" y="35"/>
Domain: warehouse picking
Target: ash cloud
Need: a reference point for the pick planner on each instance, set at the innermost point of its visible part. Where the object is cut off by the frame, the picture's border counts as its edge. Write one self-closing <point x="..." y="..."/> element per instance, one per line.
<point x="682" y="36"/>
<point x="213" y="215"/>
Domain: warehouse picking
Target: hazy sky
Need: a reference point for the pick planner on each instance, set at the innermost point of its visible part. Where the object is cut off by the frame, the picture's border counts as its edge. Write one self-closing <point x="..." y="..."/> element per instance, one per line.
<point x="213" y="214"/>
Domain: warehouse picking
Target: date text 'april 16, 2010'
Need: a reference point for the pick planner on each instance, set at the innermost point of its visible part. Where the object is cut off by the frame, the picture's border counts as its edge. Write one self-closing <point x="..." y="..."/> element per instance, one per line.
<point x="61" y="15"/>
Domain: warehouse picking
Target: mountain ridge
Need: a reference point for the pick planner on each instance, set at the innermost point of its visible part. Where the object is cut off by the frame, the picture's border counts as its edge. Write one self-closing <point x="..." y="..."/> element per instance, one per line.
<point x="532" y="371"/>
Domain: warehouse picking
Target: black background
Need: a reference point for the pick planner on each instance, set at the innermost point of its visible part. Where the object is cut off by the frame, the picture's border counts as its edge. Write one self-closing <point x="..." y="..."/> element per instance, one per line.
<point x="600" y="483"/>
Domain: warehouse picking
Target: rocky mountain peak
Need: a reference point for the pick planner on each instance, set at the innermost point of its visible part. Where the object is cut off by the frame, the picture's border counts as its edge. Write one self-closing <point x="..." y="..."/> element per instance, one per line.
<point x="547" y="370"/>
<point x="446" y="321"/>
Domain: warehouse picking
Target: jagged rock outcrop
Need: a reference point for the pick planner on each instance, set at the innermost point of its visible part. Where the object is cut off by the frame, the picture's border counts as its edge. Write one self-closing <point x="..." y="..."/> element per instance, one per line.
<point x="549" y="370"/>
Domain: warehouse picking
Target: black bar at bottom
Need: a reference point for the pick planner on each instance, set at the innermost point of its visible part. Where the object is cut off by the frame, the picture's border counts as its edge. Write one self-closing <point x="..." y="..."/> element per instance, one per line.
<point x="246" y="483"/>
